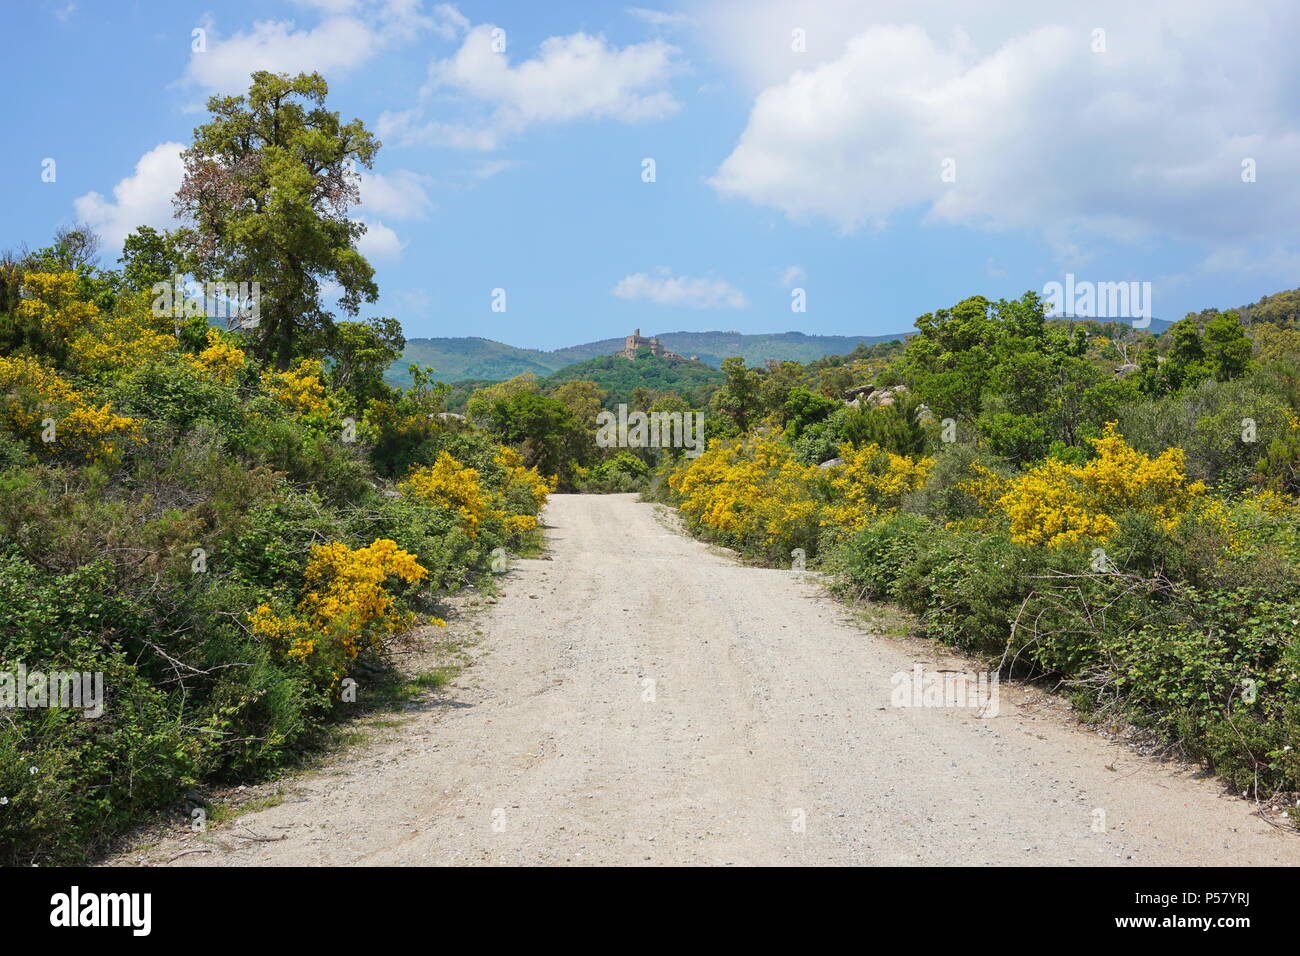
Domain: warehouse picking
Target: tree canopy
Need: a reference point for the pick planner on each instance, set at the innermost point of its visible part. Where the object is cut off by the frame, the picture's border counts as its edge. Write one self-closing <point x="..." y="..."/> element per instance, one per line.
<point x="268" y="184"/>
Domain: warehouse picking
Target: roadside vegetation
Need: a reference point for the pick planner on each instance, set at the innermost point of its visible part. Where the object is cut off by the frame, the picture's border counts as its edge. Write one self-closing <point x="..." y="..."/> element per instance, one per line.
<point x="228" y="521"/>
<point x="231" y="520"/>
<point x="1112" y="511"/>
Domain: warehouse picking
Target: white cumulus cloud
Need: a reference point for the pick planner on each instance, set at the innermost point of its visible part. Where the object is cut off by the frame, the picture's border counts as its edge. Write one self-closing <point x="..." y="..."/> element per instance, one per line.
<point x="573" y="77"/>
<point x="379" y="241"/>
<point x="689" y="291"/>
<point x="400" y="194"/>
<point x="142" y="199"/>
<point x="348" y="35"/>
<point x="1024" y="122"/>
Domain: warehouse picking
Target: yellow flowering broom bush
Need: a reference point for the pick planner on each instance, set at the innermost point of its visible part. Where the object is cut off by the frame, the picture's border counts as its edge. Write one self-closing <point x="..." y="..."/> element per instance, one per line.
<point x="58" y="418"/>
<point x="219" y="360"/>
<point x="751" y="494"/>
<point x="1059" y="503"/>
<point x="346" y="608"/>
<point x="522" y="495"/>
<point x="117" y="344"/>
<point x="756" y="496"/>
<point x="51" y="302"/>
<point x="511" y="504"/>
<point x="449" y="484"/>
<point x="301" y="389"/>
<point x="871" y="484"/>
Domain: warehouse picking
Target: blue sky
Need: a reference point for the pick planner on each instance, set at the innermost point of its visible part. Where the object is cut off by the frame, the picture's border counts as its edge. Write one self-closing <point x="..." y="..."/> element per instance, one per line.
<point x="795" y="145"/>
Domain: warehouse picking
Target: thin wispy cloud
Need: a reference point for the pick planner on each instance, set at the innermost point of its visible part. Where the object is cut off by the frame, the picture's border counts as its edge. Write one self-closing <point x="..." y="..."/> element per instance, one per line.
<point x="660" y="18"/>
<point x="793" y="274"/>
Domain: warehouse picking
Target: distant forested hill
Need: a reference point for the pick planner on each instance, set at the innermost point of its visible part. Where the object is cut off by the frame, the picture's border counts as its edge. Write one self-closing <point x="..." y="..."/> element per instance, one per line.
<point x="619" y="376"/>
<point x="455" y="359"/>
<point x="461" y="358"/>
<point x="712" y="347"/>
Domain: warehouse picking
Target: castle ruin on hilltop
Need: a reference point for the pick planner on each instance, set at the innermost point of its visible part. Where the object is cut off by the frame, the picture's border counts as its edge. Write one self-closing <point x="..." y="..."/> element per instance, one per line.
<point x="635" y="341"/>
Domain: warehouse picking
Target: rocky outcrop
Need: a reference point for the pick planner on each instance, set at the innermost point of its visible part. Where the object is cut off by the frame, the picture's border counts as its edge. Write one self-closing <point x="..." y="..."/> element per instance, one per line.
<point x="868" y="396"/>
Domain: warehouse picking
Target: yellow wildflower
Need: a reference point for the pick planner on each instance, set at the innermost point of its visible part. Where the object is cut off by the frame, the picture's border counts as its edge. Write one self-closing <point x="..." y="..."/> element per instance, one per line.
<point x="1056" y="503"/>
<point x="300" y="389"/>
<point x="346" y="600"/>
<point x="870" y="483"/>
<point x="449" y="484"/>
<point x="51" y="300"/>
<point x="34" y="393"/>
<point x="223" y="361"/>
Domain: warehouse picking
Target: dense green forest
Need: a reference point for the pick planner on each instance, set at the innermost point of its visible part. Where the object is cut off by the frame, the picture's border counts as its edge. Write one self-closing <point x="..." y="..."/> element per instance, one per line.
<point x="620" y="377"/>
<point x="460" y="359"/>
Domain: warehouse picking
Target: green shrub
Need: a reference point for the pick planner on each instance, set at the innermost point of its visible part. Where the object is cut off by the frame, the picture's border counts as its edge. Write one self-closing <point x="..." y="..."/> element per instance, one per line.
<point x="73" y="782"/>
<point x="942" y="497"/>
<point x="972" y="586"/>
<point x="871" y="562"/>
<point x="624" y="472"/>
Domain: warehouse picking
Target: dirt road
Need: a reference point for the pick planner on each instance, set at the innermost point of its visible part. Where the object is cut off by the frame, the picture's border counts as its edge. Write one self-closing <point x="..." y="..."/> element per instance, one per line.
<point x="643" y="698"/>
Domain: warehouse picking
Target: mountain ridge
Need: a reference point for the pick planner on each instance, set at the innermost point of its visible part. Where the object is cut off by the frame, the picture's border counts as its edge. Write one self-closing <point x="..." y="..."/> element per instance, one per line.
<point x="455" y="358"/>
<point x="461" y="358"/>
